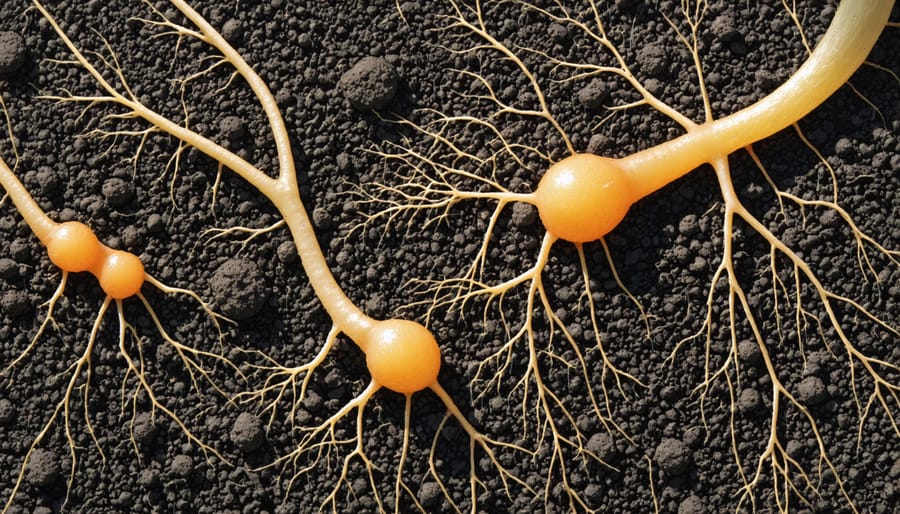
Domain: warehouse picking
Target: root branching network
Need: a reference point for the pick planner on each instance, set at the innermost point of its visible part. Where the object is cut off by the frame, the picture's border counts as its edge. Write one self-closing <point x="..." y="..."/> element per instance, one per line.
<point x="511" y="145"/>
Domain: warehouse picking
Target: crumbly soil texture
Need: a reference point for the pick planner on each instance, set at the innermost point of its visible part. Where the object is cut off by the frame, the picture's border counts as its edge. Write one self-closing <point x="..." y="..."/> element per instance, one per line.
<point x="343" y="75"/>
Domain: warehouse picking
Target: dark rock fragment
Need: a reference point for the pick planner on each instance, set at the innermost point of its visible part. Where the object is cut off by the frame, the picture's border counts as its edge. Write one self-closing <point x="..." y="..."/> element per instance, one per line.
<point x="182" y="465"/>
<point x="233" y="128"/>
<point x="593" y="95"/>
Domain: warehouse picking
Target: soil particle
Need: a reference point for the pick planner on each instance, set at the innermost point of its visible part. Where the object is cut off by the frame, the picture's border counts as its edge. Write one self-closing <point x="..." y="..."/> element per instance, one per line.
<point x="603" y="446"/>
<point x="816" y="364"/>
<point x="766" y="79"/>
<point x="724" y="29"/>
<point x="430" y="495"/>
<point x="43" y="469"/>
<point x="749" y="352"/>
<point x="287" y="253"/>
<point x="149" y="478"/>
<point x="47" y="179"/>
<point x="238" y="288"/>
<point x="688" y="225"/>
<point x="558" y="33"/>
<point x="694" y="437"/>
<point x="653" y="60"/>
<point x="691" y="505"/>
<point x="376" y="305"/>
<point x="15" y="303"/>
<point x="117" y="192"/>
<point x="321" y="218"/>
<point x="182" y="465"/>
<point x="132" y="237"/>
<point x="674" y="457"/>
<point x="9" y="270"/>
<point x="7" y="411"/>
<point x="749" y="401"/>
<point x="247" y="432"/>
<point x="845" y="149"/>
<point x="20" y="250"/>
<point x="233" y="128"/>
<point x="233" y="32"/>
<point x="313" y="401"/>
<point x="593" y="492"/>
<point x="287" y="508"/>
<point x="812" y="391"/>
<point x="13" y="52"/>
<point x="370" y="84"/>
<point x="895" y="163"/>
<point x="144" y="428"/>
<point x="155" y="223"/>
<point x="681" y="254"/>
<point x="894" y="473"/>
<point x="598" y="144"/>
<point x="523" y="215"/>
<point x="594" y="95"/>
<point x="670" y="393"/>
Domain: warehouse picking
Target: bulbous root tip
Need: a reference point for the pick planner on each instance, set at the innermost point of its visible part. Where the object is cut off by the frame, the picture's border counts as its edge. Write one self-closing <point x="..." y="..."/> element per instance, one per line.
<point x="583" y="197"/>
<point x="74" y="247"/>
<point x="402" y="355"/>
<point x="121" y="275"/>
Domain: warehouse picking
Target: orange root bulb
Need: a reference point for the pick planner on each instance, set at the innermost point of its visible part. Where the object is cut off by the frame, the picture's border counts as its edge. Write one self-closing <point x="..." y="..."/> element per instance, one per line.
<point x="402" y="355"/>
<point x="583" y="197"/>
<point x="74" y="247"/>
<point x="121" y="275"/>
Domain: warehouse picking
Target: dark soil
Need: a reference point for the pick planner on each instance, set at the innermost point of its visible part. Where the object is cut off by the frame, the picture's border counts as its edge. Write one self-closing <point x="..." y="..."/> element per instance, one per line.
<point x="327" y="66"/>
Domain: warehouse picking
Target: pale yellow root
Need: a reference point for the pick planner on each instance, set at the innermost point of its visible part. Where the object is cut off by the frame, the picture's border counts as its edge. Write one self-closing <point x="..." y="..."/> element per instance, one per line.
<point x="433" y="171"/>
<point x="476" y="440"/>
<point x="281" y="382"/>
<point x="81" y="365"/>
<point x="136" y="369"/>
<point x="320" y="443"/>
<point x="785" y="470"/>
<point x="48" y="320"/>
<point x="249" y="233"/>
<point x="80" y="373"/>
